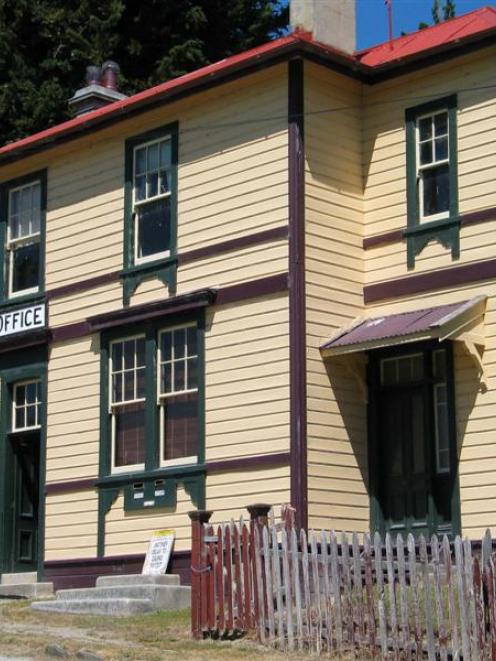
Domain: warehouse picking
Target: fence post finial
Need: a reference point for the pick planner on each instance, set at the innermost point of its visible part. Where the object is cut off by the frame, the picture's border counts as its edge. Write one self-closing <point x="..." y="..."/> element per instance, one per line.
<point x="259" y="513"/>
<point x="198" y="562"/>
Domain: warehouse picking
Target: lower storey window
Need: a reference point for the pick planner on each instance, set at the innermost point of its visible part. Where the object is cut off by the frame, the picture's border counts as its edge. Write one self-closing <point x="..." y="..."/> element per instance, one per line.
<point x="153" y="399"/>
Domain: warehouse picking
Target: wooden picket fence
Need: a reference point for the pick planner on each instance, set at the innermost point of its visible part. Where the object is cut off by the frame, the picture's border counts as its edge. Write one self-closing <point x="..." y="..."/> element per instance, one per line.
<point x="324" y="593"/>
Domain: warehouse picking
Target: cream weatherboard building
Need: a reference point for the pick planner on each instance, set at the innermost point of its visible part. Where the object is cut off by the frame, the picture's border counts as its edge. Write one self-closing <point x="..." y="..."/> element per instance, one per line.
<point x="272" y="279"/>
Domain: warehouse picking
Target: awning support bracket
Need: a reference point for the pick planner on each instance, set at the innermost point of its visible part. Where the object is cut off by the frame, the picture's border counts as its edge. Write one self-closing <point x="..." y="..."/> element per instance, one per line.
<point x="474" y="353"/>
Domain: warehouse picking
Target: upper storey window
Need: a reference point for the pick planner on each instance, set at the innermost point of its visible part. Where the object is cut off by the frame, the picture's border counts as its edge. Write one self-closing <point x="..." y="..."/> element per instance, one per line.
<point x="152" y="163"/>
<point x="150" y="209"/>
<point x="433" y="165"/>
<point x="23" y="204"/>
<point x="432" y="179"/>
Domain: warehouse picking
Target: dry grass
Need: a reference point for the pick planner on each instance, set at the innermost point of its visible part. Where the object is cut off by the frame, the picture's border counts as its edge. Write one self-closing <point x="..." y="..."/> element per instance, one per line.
<point x="152" y="637"/>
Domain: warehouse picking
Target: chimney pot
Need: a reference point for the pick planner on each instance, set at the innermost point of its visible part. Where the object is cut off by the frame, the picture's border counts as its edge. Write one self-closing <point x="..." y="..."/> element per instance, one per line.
<point x="110" y="71"/>
<point x="93" y="75"/>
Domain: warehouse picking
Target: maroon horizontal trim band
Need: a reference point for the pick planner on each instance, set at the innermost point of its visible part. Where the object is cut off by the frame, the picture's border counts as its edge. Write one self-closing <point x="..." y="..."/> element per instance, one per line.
<point x="70" y="331"/>
<point x="187" y="257"/>
<point x="240" y="463"/>
<point x="275" y="234"/>
<point x="415" y="284"/>
<point x="253" y="288"/>
<point x="472" y="218"/>
<point x="68" y="487"/>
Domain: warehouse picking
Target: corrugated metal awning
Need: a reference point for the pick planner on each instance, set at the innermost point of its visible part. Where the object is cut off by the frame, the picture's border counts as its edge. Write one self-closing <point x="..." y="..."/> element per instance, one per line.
<point x="453" y="321"/>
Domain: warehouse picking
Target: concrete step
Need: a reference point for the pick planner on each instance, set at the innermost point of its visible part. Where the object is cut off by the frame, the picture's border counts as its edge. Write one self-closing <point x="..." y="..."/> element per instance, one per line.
<point x="162" y="597"/>
<point x="138" y="579"/>
<point x="27" y="590"/>
<point x="115" y="607"/>
<point x="22" y="577"/>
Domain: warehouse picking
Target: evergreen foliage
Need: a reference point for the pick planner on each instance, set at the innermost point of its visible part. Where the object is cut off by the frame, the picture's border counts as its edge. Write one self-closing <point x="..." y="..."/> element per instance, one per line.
<point x="45" y="46"/>
<point x="439" y="14"/>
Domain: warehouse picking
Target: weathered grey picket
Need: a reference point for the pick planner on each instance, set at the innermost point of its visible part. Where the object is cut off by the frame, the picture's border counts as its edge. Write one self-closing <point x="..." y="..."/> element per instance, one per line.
<point x="323" y="593"/>
<point x="395" y="598"/>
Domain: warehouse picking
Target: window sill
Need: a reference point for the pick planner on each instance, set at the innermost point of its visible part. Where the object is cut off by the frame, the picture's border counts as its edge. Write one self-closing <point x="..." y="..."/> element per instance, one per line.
<point x="122" y="479"/>
<point x="431" y="226"/>
<point x="19" y="301"/>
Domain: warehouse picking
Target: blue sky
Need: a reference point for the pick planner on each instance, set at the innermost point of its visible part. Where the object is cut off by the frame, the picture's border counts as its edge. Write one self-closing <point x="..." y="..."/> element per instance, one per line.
<point x="372" y="17"/>
<point x="372" y="27"/>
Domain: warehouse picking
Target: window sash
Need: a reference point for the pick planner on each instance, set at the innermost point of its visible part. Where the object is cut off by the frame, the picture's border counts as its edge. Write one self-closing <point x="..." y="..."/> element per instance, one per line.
<point x="139" y="204"/>
<point x="435" y="163"/>
<point x="121" y="409"/>
<point x="14" y="243"/>
<point x="25" y="405"/>
<point x="134" y="370"/>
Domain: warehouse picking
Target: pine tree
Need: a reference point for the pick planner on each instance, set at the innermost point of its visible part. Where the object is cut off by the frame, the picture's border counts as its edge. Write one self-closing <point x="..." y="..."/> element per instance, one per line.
<point x="440" y="14"/>
<point x="436" y="12"/>
<point x="449" y="10"/>
<point x="45" y="46"/>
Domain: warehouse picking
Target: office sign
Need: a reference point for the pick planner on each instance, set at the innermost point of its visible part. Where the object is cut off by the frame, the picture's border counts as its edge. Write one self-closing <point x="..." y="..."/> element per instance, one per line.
<point x="22" y="319"/>
<point x="159" y="552"/>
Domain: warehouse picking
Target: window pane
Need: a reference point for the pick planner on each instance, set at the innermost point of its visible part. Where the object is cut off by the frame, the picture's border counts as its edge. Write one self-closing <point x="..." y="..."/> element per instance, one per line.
<point x="180" y="426"/>
<point x="129" y="385"/>
<point x="441" y="124"/>
<point x="140" y="352"/>
<point x="152" y="184"/>
<point x="191" y="341"/>
<point x="152" y="157"/>
<point x="436" y="190"/>
<point x="20" y="395"/>
<point x="166" y="346"/>
<point x="441" y="148"/>
<point x="154" y="228"/>
<point x="439" y="364"/>
<point x="140" y="164"/>
<point x="166" y="378"/>
<point x="117" y="356"/>
<point x="117" y="387"/>
<point x="141" y="383"/>
<point x="425" y="128"/>
<point x="15" y="203"/>
<point x="19" y="418"/>
<point x="179" y="375"/>
<point x="165" y="153"/>
<point x="25" y="267"/>
<point x="192" y="374"/>
<point x="129" y="354"/>
<point x="130" y="435"/>
<point x="31" y="391"/>
<point x="164" y="182"/>
<point x="140" y="187"/>
<point x="30" y="416"/>
<point x="425" y="153"/>
<point x="179" y="343"/>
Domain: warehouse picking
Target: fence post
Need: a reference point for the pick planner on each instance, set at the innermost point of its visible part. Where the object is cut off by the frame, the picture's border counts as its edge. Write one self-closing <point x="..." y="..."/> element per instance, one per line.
<point x="258" y="517"/>
<point x="198" y="570"/>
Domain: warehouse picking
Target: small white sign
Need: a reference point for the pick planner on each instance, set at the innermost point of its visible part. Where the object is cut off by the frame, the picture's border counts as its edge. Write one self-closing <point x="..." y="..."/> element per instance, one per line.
<point x="159" y="552"/>
<point x="23" y="319"/>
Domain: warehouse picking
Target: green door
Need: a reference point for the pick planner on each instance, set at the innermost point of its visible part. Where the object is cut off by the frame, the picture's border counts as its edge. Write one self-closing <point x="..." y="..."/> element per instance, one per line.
<point x="405" y="471"/>
<point x="24" y="501"/>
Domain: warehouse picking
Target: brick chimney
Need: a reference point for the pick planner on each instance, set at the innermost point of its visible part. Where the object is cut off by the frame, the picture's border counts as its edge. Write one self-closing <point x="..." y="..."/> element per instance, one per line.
<point x="100" y="89"/>
<point x="330" y="21"/>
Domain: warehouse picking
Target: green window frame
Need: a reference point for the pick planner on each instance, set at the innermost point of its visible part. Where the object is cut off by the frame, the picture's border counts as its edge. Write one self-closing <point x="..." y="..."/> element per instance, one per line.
<point x="23" y="204"/>
<point x="153" y="465"/>
<point x="422" y="162"/>
<point x="151" y="174"/>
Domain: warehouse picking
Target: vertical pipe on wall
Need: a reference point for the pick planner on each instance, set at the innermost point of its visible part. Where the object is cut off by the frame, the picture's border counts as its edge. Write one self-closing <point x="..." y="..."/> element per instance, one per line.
<point x="297" y="316"/>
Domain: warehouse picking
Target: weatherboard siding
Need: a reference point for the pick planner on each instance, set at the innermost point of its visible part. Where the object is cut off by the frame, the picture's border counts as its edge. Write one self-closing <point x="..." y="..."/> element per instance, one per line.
<point x="384" y="161"/>
<point x="336" y="414"/>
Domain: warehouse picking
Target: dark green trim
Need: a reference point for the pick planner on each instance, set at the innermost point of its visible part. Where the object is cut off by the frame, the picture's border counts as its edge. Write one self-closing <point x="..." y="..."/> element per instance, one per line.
<point x="374" y="388"/>
<point x="14" y="367"/>
<point x="191" y="477"/>
<point x="41" y="176"/>
<point x="165" y="270"/>
<point x="446" y="231"/>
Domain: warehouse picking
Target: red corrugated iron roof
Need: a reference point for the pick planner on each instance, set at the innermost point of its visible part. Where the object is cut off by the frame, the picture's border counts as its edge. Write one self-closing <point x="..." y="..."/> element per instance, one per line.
<point x="481" y="22"/>
<point x="453" y="30"/>
<point x="415" y="324"/>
